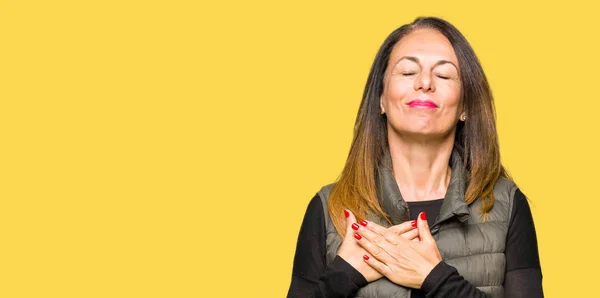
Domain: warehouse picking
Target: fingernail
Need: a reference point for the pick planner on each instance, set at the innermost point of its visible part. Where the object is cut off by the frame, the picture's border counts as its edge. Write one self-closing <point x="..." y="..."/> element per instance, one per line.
<point x="366" y="257"/>
<point x="346" y="213"/>
<point x="419" y="237"/>
<point x="358" y="237"/>
<point x="363" y="223"/>
<point x="355" y="226"/>
<point x="423" y="216"/>
<point x="413" y="223"/>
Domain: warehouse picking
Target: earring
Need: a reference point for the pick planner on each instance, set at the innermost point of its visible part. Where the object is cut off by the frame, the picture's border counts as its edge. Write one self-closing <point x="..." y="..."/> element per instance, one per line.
<point x="463" y="117"/>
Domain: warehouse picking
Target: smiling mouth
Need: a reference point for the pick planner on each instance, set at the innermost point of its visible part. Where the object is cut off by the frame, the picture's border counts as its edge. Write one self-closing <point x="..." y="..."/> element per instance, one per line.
<point x="422" y="104"/>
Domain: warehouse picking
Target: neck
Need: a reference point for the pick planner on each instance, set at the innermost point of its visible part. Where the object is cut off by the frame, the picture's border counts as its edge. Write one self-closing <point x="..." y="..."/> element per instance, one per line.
<point x="421" y="167"/>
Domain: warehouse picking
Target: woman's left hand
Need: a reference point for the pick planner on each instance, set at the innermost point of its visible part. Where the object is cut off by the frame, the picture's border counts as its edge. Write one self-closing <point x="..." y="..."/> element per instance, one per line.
<point x="402" y="261"/>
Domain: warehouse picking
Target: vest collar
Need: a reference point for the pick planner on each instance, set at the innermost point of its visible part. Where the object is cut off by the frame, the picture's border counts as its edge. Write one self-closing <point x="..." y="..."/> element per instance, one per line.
<point x="397" y="209"/>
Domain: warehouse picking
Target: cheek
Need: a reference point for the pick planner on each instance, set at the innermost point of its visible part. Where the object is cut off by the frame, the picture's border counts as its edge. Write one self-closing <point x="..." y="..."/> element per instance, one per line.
<point x="398" y="90"/>
<point x="449" y="98"/>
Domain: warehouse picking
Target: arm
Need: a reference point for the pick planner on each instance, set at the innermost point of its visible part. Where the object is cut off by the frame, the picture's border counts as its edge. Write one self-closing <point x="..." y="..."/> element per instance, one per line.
<point x="523" y="277"/>
<point x="444" y="281"/>
<point x="311" y="277"/>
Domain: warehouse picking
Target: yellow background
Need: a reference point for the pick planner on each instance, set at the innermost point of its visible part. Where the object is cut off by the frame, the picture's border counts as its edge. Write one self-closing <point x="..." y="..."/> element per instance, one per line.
<point x="170" y="148"/>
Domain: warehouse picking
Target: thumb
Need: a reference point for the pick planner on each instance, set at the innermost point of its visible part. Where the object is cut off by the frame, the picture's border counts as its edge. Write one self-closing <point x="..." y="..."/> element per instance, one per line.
<point x="350" y="219"/>
<point x="423" y="227"/>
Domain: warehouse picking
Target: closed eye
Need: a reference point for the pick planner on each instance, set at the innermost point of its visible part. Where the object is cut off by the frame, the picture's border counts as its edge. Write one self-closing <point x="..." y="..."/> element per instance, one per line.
<point x="443" y="77"/>
<point x="407" y="74"/>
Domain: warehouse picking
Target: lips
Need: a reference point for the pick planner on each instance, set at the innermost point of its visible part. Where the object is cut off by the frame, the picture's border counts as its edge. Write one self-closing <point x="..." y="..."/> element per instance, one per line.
<point x="422" y="104"/>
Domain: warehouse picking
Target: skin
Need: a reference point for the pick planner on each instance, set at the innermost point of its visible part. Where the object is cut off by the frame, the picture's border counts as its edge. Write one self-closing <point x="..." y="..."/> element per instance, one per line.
<point x="353" y="251"/>
<point x="422" y="65"/>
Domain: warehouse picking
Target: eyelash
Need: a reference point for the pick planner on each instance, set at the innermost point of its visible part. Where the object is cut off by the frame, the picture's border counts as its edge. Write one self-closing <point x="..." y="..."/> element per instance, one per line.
<point x="407" y="74"/>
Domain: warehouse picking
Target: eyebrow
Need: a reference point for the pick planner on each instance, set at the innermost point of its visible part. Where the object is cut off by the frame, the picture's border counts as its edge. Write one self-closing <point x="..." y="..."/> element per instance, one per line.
<point x="416" y="60"/>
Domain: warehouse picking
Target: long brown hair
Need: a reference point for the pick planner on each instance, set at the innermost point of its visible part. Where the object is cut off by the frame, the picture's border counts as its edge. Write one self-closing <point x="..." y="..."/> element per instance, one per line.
<point x="477" y="140"/>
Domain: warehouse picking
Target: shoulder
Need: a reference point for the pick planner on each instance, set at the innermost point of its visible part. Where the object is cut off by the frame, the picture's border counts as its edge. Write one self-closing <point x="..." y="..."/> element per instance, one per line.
<point x="323" y="197"/>
<point x="505" y="189"/>
<point x="325" y="191"/>
<point x="315" y="208"/>
<point x="521" y="206"/>
<point x="508" y="195"/>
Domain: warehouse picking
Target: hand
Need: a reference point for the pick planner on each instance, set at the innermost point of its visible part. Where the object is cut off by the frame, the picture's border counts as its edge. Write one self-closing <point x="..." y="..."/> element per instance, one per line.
<point x="402" y="261"/>
<point x="353" y="253"/>
<point x="407" y="230"/>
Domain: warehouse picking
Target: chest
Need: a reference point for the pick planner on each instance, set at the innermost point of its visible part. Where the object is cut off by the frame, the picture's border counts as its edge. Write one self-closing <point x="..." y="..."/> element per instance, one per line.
<point x="475" y="249"/>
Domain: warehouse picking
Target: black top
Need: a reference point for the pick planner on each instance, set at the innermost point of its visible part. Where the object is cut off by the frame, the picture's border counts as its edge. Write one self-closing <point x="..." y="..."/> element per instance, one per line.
<point x="311" y="277"/>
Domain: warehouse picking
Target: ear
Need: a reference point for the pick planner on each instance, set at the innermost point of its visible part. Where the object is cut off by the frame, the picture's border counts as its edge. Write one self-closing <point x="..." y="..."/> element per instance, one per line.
<point x="463" y="114"/>
<point x="381" y="105"/>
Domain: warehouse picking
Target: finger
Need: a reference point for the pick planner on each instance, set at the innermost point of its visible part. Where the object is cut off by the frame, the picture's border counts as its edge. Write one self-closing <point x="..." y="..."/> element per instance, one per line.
<point x="391" y="234"/>
<point x="377" y="229"/>
<point x="423" y="228"/>
<point x="377" y="265"/>
<point x="368" y="232"/>
<point x="350" y="219"/>
<point x="376" y="246"/>
<point x="411" y="235"/>
<point x="403" y="227"/>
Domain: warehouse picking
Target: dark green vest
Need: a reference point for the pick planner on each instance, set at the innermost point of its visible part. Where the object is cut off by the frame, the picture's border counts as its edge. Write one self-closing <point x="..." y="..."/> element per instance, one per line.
<point x="474" y="247"/>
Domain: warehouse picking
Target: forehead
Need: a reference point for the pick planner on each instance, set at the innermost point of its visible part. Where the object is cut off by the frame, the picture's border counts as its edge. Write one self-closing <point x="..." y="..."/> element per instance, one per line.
<point x="426" y="45"/>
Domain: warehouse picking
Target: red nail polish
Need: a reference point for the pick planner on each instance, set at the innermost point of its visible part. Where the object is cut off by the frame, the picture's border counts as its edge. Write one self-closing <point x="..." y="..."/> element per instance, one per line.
<point x="358" y="237"/>
<point x="366" y="257"/>
<point x="363" y="223"/>
<point x="413" y="223"/>
<point x="355" y="226"/>
<point x="346" y="213"/>
<point x="419" y="237"/>
<point x="423" y="216"/>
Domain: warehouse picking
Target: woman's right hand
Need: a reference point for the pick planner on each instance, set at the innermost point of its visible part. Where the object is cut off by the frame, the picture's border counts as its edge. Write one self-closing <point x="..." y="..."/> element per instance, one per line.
<point x="353" y="253"/>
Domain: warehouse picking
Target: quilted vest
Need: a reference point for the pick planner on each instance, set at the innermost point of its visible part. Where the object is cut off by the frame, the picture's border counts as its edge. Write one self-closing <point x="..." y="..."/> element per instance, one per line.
<point x="473" y="246"/>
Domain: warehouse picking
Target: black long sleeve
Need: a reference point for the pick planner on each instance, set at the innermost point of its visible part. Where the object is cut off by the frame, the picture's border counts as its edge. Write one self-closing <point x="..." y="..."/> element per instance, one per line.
<point x="523" y="276"/>
<point x="311" y="277"/>
<point x="444" y="281"/>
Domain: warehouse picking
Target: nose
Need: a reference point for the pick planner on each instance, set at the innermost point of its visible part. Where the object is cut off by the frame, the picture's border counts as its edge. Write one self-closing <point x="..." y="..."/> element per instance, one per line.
<point x="424" y="82"/>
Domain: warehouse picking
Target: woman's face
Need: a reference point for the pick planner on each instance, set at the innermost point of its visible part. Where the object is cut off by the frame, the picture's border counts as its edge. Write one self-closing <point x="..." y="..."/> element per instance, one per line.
<point x="422" y="87"/>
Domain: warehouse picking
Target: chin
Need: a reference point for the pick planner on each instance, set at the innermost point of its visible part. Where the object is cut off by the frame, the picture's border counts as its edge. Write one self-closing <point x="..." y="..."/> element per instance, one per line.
<point x="423" y="132"/>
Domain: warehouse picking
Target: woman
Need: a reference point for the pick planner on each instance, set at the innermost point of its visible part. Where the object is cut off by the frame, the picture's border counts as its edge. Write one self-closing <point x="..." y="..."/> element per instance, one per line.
<point x="423" y="207"/>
